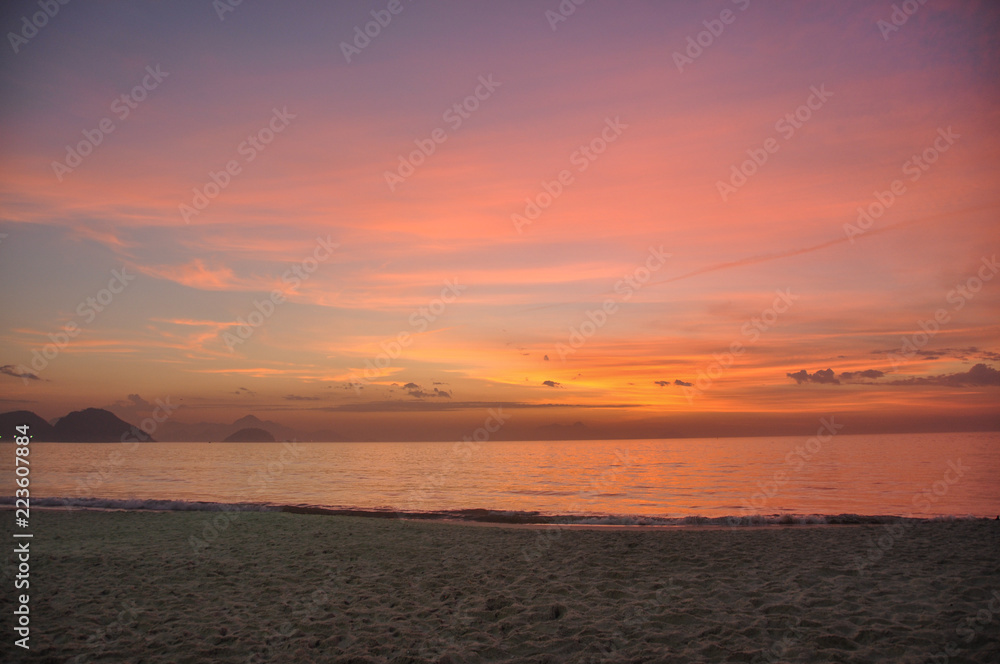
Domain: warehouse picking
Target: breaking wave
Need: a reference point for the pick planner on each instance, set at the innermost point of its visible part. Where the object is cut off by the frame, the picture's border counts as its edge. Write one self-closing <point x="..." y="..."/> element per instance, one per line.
<point x="477" y="515"/>
<point x="144" y="504"/>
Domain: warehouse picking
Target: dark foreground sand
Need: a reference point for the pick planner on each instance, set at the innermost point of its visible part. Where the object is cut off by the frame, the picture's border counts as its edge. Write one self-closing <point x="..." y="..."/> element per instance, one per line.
<point x="276" y="587"/>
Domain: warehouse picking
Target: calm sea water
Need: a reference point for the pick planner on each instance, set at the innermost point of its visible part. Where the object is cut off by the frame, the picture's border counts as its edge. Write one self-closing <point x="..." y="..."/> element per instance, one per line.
<point x="908" y="475"/>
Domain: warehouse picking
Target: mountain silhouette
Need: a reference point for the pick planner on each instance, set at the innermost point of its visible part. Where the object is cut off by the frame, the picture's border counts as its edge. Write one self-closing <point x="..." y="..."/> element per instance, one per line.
<point x="176" y="431"/>
<point x="39" y="430"/>
<point x="91" y="425"/>
<point x="250" y="435"/>
<point x="95" y="425"/>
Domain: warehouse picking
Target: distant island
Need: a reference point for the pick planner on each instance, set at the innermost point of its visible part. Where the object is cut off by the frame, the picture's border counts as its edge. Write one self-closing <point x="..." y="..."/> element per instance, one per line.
<point x="97" y="425"/>
<point x="250" y="435"/>
<point x="91" y="425"/>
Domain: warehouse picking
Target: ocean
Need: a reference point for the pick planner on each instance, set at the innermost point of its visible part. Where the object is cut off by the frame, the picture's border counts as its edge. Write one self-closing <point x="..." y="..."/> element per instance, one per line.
<point x="831" y="478"/>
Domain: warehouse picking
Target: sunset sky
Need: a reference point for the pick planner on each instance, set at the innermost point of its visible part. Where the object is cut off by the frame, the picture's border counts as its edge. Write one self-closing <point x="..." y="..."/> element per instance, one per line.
<point x="588" y="240"/>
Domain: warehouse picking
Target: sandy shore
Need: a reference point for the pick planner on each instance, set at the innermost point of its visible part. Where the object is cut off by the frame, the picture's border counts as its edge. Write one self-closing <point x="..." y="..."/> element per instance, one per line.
<point x="277" y="587"/>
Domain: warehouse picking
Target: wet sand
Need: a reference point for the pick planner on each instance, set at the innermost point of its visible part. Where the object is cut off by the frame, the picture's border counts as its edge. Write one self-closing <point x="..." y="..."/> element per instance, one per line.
<point x="279" y="587"/>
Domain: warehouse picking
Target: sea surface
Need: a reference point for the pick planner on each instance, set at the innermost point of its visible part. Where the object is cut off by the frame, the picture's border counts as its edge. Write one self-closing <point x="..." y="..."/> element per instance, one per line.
<point x="836" y="479"/>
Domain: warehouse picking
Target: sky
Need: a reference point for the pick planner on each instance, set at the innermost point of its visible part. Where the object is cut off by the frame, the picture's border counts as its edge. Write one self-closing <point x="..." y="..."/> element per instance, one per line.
<point x="385" y="219"/>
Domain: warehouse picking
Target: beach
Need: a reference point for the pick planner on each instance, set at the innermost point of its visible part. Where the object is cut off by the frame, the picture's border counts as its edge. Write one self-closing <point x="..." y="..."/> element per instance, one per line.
<point x="143" y="586"/>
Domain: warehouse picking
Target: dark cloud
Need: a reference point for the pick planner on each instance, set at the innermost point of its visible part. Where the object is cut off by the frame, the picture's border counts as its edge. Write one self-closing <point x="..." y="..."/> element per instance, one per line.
<point x="823" y="376"/>
<point x="546" y="358"/>
<point x="551" y="383"/>
<point x="980" y="375"/>
<point x="476" y="406"/>
<point x="132" y="407"/>
<point x="661" y="383"/>
<point x="682" y="383"/>
<point x="867" y="373"/>
<point x="665" y="383"/>
<point x="967" y="354"/>
<point x="296" y="397"/>
<point x="132" y="403"/>
<point x="11" y="370"/>
<point x="242" y="391"/>
<point x="138" y="402"/>
<point x="420" y="394"/>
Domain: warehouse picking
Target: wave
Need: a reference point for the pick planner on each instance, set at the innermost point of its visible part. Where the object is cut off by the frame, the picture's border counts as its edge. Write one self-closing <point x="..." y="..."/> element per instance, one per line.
<point x="479" y="515"/>
<point x="145" y="504"/>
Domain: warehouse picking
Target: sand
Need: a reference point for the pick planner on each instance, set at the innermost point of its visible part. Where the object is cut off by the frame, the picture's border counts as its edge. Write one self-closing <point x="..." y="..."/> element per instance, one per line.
<point x="278" y="587"/>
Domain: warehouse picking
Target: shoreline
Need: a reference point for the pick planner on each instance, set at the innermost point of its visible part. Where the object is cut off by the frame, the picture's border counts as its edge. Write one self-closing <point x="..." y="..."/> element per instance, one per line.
<point x="492" y="524"/>
<point x="492" y="517"/>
